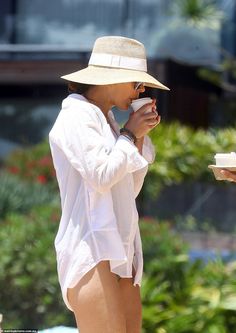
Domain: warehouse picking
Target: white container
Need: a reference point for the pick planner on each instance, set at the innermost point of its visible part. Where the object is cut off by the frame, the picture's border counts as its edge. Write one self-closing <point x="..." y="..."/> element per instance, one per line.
<point x="138" y="103"/>
<point x="225" y="159"/>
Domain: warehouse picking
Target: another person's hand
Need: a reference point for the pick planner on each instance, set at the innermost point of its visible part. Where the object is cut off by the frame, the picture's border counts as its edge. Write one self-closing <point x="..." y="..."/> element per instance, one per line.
<point x="142" y="122"/>
<point x="229" y="175"/>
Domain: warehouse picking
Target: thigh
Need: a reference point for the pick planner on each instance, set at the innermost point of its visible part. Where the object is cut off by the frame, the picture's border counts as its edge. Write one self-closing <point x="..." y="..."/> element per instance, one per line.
<point x="132" y="305"/>
<point x="97" y="302"/>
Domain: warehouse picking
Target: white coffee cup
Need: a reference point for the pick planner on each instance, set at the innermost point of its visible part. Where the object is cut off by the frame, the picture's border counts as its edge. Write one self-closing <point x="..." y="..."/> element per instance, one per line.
<point x="225" y="159"/>
<point x="138" y="103"/>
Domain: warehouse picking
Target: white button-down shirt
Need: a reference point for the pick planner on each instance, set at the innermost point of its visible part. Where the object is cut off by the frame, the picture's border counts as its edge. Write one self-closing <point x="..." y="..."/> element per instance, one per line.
<point x="99" y="174"/>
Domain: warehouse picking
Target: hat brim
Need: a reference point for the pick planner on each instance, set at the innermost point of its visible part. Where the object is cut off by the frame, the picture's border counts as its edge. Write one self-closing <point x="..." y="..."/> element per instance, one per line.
<point x="98" y="75"/>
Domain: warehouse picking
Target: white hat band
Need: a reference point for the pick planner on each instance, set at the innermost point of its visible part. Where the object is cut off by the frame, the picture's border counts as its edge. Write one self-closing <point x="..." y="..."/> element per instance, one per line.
<point x="111" y="60"/>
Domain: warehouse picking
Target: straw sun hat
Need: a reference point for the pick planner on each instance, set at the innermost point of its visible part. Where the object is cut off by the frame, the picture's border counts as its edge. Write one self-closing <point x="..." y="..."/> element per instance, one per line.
<point x="116" y="59"/>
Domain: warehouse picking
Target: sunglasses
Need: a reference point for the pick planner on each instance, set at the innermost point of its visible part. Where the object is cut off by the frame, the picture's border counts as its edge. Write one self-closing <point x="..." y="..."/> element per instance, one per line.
<point x="137" y="85"/>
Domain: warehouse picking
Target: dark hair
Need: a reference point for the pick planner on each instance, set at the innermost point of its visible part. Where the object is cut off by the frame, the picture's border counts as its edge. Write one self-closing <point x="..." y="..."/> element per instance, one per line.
<point x="78" y="88"/>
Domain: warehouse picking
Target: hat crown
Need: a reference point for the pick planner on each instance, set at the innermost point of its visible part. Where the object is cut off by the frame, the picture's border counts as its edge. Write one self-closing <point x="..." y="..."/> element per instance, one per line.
<point x="121" y="46"/>
<point x="119" y="52"/>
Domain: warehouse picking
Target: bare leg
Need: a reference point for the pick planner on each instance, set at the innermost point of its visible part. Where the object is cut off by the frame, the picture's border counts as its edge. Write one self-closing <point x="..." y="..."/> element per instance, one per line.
<point x="132" y="305"/>
<point x="97" y="302"/>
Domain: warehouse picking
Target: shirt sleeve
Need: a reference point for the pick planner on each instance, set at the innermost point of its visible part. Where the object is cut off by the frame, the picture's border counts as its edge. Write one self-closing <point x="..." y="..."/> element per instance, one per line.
<point x="148" y="150"/>
<point x="82" y="139"/>
<point x="138" y="177"/>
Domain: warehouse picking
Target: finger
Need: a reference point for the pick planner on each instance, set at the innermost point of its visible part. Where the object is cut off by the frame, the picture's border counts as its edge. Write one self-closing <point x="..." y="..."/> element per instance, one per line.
<point x="227" y="172"/>
<point x="229" y="175"/>
<point x="151" y="121"/>
<point x="154" y="109"/>
<point x="150" y="115"/>
<point x="155" y="123"/>
<point x="154" y="100"/>
<point x="158" y="120"/>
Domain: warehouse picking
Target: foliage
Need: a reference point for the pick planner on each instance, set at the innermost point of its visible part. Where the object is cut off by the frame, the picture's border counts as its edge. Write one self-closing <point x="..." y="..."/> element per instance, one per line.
<point x="182" y="296"/>
<point x="30" y="294"/>
<point x="184" y="154"/>
<point x="178" y="295"/>
<point x="17" y="195"/>
<point x="33" y="164"/>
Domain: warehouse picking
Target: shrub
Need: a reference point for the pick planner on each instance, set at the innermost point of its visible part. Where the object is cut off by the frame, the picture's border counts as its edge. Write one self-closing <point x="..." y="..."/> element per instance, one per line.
<point x="180" y="296"/>
<point x="30" y="294"/>
<point x="33" y="164"/>
<point x="184" y="154"/>
<point x="17" y="195"/>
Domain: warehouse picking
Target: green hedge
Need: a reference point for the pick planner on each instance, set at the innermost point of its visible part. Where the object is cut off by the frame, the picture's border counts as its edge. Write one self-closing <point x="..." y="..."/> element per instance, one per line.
<point x="32" y="164"/>
<point x="17" y="195"/>
<point x="29" y="290"/>
<point x="182" y="154"/>
<point x="179" y="296"/>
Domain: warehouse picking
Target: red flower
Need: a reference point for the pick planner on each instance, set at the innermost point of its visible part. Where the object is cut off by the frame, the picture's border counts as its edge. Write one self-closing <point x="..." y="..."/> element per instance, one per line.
<point x="13" y="169"/>
<point x="42" y="179"/>
<point x="31" y="164"/>
<point x="45" y="161"/>
<point x="52" y="173"/>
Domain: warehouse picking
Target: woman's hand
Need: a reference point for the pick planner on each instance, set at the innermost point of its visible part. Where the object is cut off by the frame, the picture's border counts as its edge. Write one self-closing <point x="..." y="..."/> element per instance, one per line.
<point x="141" y="122"/>
<point x="229" y="175"/>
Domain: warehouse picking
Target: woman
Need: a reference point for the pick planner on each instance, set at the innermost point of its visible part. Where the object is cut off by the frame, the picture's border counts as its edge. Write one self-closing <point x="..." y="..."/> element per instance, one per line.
<point x="100" y="170"/>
